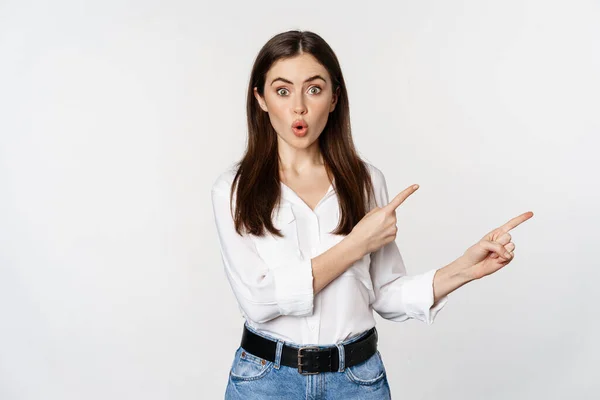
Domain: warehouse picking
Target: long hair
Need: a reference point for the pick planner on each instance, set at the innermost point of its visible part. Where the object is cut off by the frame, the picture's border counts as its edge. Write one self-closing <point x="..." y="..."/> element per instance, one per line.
<point x="258" y="183"/>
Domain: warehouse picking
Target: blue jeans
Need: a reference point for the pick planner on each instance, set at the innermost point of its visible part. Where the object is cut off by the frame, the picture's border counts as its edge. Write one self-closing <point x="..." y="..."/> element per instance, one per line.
<point x="252" y="377"/>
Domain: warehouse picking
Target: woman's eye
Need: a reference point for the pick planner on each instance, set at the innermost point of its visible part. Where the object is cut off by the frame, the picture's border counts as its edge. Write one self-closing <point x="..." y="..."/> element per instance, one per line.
<point x="315" y="87"/>
<point x="280" y="90"/>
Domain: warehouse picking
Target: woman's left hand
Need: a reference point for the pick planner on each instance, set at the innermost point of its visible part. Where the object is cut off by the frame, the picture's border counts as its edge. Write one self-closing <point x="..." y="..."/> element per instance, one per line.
<point x="493" y="251"/>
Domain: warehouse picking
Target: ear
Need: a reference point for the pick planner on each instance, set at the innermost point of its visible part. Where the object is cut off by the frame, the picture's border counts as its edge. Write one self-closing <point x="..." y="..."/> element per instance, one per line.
<point x="261" y="101"/>
<point x="334" y="100"/>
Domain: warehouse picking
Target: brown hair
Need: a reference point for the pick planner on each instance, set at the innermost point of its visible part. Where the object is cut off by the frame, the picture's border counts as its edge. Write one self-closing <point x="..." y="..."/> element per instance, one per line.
<point x="258" y="189"/>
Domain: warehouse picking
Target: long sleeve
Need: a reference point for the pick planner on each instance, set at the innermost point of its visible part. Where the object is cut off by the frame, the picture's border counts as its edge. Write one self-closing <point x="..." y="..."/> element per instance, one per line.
<point x="398" y="296"/>
<point x="263" y="291"/>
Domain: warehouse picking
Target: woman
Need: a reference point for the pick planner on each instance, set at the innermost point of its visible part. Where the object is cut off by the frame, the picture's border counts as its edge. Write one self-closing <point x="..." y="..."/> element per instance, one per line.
<point x="307" y="237"/>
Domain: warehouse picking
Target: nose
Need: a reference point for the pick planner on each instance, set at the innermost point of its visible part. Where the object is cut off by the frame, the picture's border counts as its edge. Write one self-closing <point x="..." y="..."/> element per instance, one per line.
<point x="299" y="106"/>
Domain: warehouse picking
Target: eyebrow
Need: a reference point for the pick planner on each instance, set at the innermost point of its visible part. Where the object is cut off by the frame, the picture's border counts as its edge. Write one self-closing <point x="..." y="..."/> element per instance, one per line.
<point x="312" y="78"/>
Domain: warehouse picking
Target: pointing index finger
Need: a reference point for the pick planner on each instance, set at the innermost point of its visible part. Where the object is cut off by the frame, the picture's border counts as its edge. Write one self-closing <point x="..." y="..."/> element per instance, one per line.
<point x="516" y="221"/>
<point x="400" y="197"/>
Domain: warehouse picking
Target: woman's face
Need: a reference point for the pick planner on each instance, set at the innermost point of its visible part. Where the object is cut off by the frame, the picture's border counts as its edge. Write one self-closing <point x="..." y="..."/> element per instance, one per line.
<point x="298" y="89"/>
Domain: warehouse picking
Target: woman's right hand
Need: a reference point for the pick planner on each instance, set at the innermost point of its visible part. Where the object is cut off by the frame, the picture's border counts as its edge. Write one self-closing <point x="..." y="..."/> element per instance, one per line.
<point x="378" y="227"/>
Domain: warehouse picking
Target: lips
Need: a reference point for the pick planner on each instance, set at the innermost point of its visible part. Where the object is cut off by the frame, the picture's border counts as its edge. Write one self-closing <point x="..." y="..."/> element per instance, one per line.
<point x="299" y="124"/>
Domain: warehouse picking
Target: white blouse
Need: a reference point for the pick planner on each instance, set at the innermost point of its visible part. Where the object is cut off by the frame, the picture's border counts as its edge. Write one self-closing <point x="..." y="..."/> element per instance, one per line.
<point x="272" y="280"/>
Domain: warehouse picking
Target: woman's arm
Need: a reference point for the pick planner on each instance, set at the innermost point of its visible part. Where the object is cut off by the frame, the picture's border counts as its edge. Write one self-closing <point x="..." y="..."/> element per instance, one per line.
<point x="398" y="296"/>
<point x="263" y="290"/>
<point x="332" y="263"/>
<point x="450" y="278"/>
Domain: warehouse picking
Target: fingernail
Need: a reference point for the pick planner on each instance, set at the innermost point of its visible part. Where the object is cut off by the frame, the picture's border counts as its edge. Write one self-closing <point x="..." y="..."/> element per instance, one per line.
<point x="415" y="187"/>
<point x="507" y="255"/>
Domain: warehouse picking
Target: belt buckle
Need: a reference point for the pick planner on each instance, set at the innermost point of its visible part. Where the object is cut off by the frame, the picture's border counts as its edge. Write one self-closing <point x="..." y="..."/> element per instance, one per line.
<point x="300" y="355"/>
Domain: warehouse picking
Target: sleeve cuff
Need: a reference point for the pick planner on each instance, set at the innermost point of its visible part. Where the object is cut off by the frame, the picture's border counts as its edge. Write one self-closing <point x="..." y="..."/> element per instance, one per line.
<point x="418" y="297"/>
<point x="294" y="288"/>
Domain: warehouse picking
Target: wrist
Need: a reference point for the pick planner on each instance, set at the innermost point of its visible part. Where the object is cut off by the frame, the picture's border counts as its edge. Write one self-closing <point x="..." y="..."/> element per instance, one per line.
<point x="451" y="277"/>
<point x="461" y="269"/>
<point x="354" y="247"/>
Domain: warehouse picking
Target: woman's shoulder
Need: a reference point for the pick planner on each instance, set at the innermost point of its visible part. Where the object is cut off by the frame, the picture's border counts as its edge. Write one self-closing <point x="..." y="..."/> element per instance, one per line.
<point x="377" y="176"/>
<point x="224" y="178"/>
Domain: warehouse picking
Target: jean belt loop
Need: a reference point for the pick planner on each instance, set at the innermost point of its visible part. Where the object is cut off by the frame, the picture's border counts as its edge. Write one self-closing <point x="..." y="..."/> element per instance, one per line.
<point x="278" y="351"/>
<point x="340" y="347"/>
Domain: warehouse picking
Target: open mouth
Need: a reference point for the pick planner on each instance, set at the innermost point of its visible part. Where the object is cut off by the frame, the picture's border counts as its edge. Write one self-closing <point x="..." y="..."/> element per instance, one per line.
<point x="300" y="127"/>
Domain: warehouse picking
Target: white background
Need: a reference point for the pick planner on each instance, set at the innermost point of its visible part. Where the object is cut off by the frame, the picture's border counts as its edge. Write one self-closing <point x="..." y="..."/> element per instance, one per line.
<point x="117" y="116"/>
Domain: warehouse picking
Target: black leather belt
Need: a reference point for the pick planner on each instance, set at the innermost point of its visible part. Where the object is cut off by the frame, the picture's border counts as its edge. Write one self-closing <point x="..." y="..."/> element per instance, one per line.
<point x="311" y="359"/>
